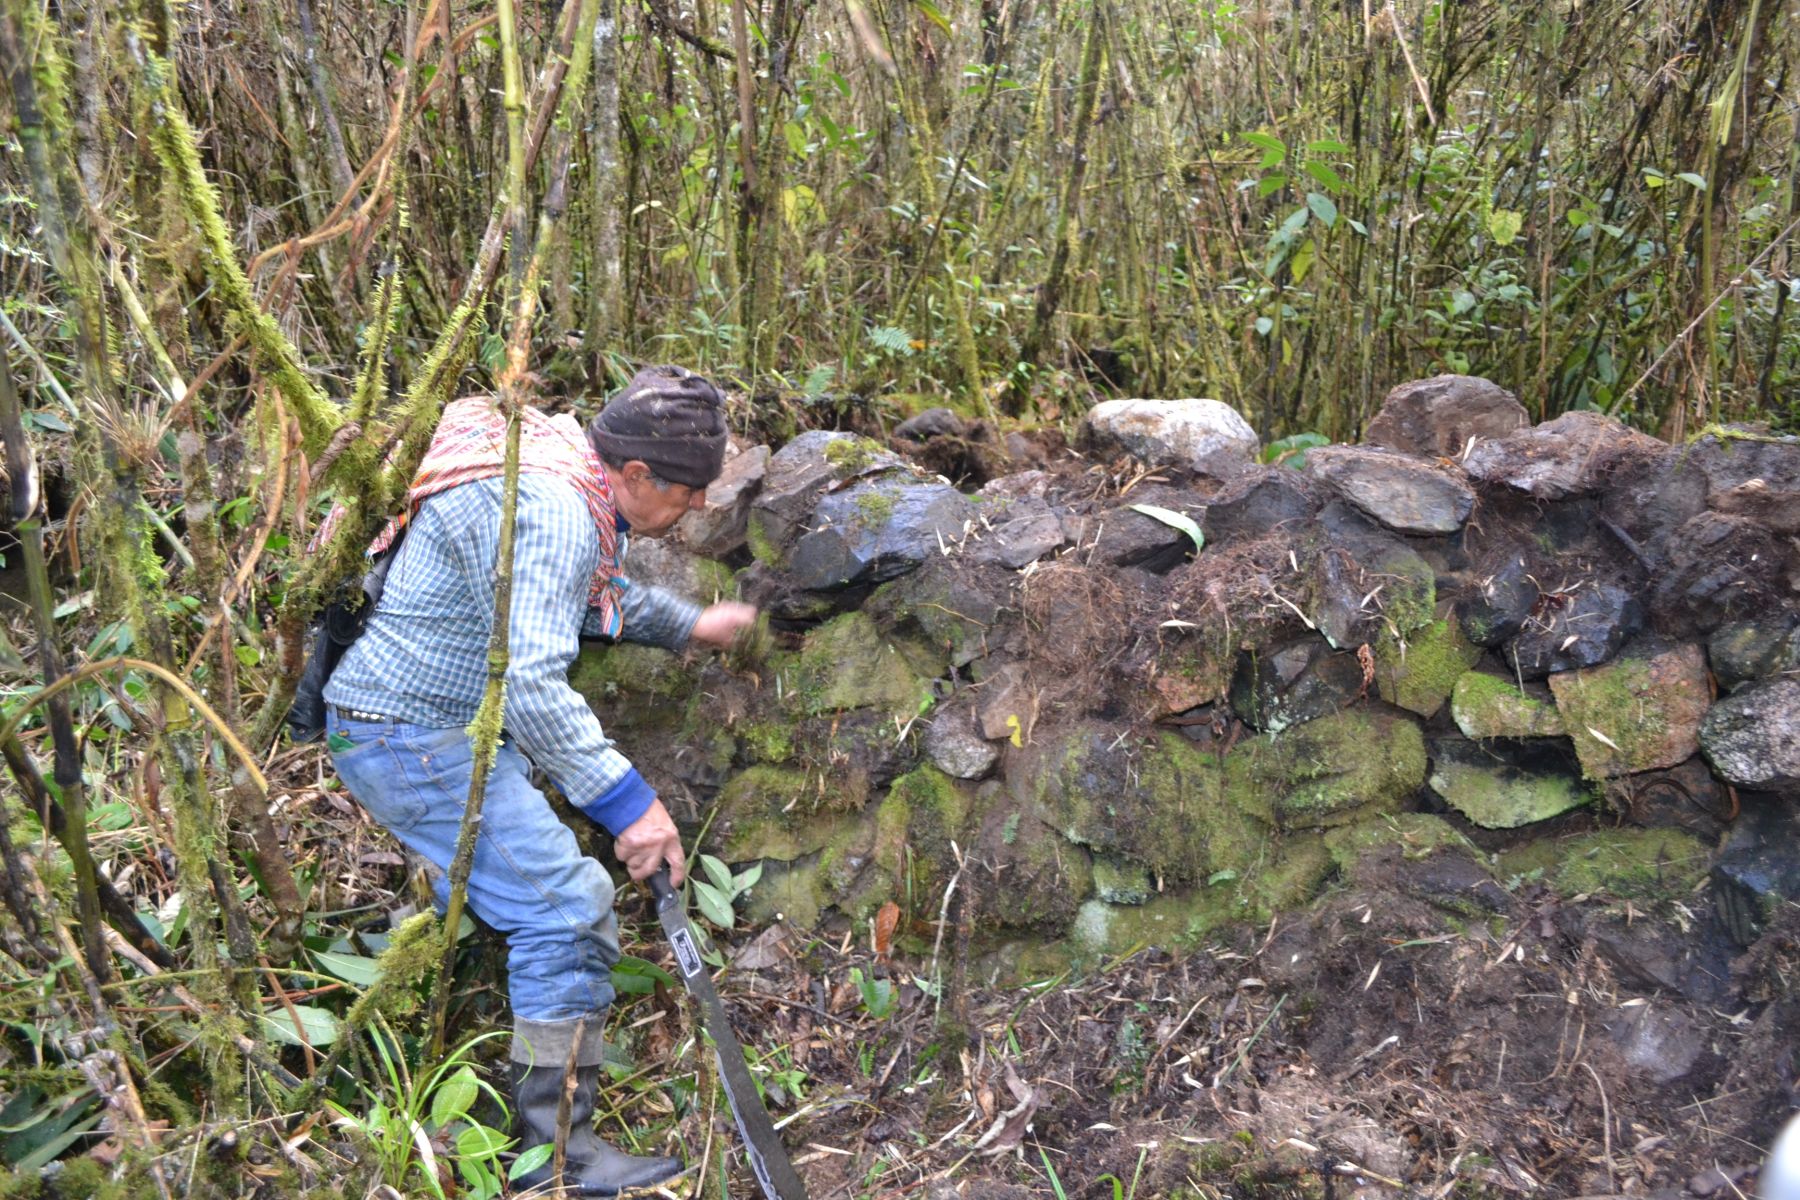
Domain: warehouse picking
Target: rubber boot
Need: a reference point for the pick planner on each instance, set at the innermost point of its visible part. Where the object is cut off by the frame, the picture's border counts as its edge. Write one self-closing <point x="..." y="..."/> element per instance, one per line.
<point x="590" y="1166"/>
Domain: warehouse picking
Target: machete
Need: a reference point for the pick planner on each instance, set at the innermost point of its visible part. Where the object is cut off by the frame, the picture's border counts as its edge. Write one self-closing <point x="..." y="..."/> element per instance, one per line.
<point x="762" y="1146"/>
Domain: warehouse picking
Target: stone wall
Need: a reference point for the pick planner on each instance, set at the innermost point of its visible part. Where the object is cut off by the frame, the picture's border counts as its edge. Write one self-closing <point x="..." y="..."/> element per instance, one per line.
<point x="1564" y="656"/>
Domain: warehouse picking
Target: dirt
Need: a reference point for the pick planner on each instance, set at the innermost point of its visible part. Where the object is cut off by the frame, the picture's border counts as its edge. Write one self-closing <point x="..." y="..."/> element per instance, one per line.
<point x="1371" y="1047"/>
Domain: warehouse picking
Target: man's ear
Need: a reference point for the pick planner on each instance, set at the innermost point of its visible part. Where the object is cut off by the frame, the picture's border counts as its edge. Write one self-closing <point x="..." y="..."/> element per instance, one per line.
<point x="636" y="473"/>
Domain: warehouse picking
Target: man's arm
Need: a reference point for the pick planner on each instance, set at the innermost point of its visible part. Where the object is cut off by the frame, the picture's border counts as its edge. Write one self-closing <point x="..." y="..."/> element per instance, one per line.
<point x="649" y="615"/>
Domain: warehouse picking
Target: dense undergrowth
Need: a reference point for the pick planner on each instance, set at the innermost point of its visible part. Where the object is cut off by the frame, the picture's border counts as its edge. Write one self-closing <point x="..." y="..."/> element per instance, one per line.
<point x="250" y="250"/>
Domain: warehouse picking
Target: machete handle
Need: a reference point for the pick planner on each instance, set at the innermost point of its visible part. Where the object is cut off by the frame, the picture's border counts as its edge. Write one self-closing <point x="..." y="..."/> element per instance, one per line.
<point x="663" y="890"/>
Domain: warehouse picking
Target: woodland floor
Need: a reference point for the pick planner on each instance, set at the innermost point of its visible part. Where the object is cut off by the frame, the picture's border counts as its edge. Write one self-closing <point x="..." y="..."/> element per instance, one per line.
<point x="1371" y="1046"/>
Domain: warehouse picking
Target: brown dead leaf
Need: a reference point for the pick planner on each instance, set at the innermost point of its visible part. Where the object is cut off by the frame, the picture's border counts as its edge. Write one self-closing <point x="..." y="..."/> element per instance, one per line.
<point x="886" y="921"/>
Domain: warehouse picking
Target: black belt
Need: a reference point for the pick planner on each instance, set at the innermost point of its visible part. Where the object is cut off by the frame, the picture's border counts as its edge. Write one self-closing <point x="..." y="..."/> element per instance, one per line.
<point x="352" y="714"/>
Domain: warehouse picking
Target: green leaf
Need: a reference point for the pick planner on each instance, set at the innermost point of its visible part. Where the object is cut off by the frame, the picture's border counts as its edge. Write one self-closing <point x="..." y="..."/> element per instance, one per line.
<point x="1326" y="176"/>
<point x="319" y="1025"/>
<point x="1292" y="450"/>
<point x="1268" y="185"/>
<point x="933" y="14"/>
<point x="451" y="1101"/>
<point x="633" y="976"/>
<point x="1174" y="520"/>
<point x="1505" y="224"/>
<point x="747" y="878"/>
<point x="1328" y="146"/>
<point x="713" y="906"/>
<point x="1688" y="177"/>
<point x="1323" y="208"/>
<point x="718" y="872"/>
<point x="480" y="1142"/>
<point x="1303" y="260"/>
<point x="357" y="969"/>
<point x="530" y="1160"/>
<point x="1274" y="150"/>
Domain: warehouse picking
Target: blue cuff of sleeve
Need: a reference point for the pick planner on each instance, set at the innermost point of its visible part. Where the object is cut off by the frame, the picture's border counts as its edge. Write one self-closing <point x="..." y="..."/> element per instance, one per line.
<point x="622" y="804"/>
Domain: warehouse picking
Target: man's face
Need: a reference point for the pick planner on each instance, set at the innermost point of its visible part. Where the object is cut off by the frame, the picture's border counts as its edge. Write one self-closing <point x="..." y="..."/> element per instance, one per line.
<point x="652" y="510"/>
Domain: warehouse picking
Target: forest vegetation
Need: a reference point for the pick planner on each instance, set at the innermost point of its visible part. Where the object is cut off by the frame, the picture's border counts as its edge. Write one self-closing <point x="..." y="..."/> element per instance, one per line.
<point x="251" y="249"/>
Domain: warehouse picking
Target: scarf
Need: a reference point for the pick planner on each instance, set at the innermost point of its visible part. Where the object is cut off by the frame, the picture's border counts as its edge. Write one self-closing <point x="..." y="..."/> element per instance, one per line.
<point x="470" y="444"/>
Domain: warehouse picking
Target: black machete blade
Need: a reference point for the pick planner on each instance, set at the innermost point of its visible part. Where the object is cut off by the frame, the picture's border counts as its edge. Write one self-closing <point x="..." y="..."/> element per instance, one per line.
<point x="762" y="1145"/>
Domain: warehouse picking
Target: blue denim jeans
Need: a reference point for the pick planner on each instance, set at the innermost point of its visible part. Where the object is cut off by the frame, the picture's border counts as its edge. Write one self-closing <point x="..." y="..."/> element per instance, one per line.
<point x="530" y="880"/>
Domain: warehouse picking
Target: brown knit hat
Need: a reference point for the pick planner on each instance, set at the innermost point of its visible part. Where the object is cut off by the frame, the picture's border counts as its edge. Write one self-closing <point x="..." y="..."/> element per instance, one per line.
<point x="668" y="418"/>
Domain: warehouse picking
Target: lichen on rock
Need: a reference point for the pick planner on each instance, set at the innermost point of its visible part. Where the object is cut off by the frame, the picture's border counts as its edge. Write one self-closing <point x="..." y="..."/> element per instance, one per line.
<point x="1488" y="706"/>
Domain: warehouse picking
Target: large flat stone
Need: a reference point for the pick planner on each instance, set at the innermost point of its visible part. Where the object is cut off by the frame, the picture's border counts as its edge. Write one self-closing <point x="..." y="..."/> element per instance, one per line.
<point x="1580" y="628"/>
<point x="1438" y="416"/>
<point x="720" y="528"/>
<point x="1503" y="785"/>
<point x="1406" y="494"/>
<point x="878" y="529"/>
<point x="1569" y="456"/>
<point x="796" y="475"/>
<point x="1487" y="706"/>
<point x="1635" y="713"/>
<point x="1203" y="436"/>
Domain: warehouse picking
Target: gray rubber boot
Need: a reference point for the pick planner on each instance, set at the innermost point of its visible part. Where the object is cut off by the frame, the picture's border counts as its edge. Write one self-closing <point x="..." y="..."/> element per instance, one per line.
<point x="590" y="1166"/>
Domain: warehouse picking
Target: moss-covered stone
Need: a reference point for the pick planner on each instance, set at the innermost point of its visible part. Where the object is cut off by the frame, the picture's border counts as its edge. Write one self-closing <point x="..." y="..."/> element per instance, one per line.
<point x="1632" y="864"/>
<point x="1117" y="882"/>
<point x="1503" y="785"/>
<point x="1332" y="771"/>
<point x="788" y="891"/>
<point x="933" y="810"/>
<point x="1635" y="714"/>
<point x="852" y="455"/>
<point x="1418" y="835"/>
<point x="772" y="812"/>
<point x="767" y="741"/>
<point x="763" y="546"/>
<point x="1162" y="806"/>
<point x="846" y="664"/>
<point x="1487" y="706"/>
<point x="1417" y="671"/>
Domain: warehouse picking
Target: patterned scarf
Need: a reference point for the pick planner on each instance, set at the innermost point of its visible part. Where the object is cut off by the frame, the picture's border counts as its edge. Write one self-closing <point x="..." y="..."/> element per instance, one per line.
<point x="470" y="444"/>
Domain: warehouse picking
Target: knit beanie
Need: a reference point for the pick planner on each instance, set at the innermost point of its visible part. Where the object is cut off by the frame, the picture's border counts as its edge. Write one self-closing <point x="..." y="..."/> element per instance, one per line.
<point x="668" y="418"/>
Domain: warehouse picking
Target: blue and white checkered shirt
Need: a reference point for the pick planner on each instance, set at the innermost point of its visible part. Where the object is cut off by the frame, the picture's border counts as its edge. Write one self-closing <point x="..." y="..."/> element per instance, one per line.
<point x="423" y="656"/>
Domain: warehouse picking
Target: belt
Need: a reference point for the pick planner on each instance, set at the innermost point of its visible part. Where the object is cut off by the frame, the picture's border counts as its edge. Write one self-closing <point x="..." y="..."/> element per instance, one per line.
<point x="352" y="714"/>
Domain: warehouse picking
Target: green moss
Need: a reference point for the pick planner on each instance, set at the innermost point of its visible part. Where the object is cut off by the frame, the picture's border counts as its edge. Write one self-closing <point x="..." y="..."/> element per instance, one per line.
<point x="768" y="741"/>
<point x="791" y="891"/>
<point x="762" y="546"/>
<point x="1634" y="864"/>
<point x="1169" y="921"/>
<point x="1501" y="796"/>
<point x="605" y="674"/>
<point x="846" y="664"/>
<point x="1624" y="702"/>
<point x="1118" y="882"/>
<point x="874" y="508"/>
<point x="1419" y="835"/>
<point x="1417" y="672"/>
<point x="851" y="455"/>
<point x="1487" y="706"/>
<point x="1329" y="772"/>
<point x="936" y="810"/>
<point x="771" y="812"/>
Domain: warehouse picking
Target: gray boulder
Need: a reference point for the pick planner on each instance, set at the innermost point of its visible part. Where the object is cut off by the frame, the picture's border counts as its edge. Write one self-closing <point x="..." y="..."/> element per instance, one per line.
<point x="1580" y="628"/>
<point x="878" y="529"/>
<point x="1436" y="417"/>
<point x="1744" y="651"/>
<point x="1203" y="436"/>
<point x="1405" y="494"/>
<point x="1015" y="533"/>
<point x="796" y="476"/>
<point x="1292" y="683"/>
<point x="1257" y="502"/>
<point x="955" y="748"/>
<point x="1752" y="737"/>
<point x="1758" y="869"/>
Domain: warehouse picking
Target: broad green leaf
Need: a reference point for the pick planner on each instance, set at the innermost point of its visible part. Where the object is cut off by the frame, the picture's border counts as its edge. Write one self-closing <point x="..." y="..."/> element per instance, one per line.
<point x="1303" y="260"/>
<point x="933" y="14"/>
<point x="718" y="872"/>
<point x="1504" y="224"/>
<point x="1688" y="177"/>
<point x="530" y="1160"/>
<point x="480" y="1142"/>
<point x="1268" y="185"/>
<point x="1323" y="208"/>
<point x="356" y="969"/>
<point x="1326" y="175"/>
<point x="1292" y="450"/>
<point x="747" y="878"/>
<point x="633" y="976"/>
<point x="1296" y="220"/>
<point x="320" y="1026"/>
<point x="1174" y="520"/>
<point x="713" y="906"/>
<point x="1274" y="150"/>
<point x="1328" y="146"/>
<point x="451" y="1101"/>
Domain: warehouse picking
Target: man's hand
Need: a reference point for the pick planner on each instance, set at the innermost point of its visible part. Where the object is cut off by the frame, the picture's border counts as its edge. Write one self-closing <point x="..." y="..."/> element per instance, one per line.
<point x="650" y="841"/>
<point x="719" y="624"/>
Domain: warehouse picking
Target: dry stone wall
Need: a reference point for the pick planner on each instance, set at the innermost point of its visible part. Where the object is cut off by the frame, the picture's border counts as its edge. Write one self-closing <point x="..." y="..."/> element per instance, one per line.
<point x="1561" y="656"/>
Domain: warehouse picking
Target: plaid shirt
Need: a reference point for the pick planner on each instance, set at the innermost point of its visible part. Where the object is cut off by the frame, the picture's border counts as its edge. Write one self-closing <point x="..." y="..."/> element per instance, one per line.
<point x="423" y="656"/>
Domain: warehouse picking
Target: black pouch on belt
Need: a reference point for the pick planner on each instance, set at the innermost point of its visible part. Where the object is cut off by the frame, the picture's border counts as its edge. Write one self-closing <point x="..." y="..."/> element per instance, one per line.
<point x="336" y="630"/>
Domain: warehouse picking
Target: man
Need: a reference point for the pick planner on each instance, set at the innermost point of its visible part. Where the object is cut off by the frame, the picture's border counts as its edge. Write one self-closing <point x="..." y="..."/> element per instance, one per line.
<point x="405" y="691"/>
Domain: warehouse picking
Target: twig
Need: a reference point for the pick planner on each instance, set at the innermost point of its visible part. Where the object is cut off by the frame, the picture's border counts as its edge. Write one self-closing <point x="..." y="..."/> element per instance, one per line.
<point x="1606" y="1128"/>
<point x="1411" y="67"/>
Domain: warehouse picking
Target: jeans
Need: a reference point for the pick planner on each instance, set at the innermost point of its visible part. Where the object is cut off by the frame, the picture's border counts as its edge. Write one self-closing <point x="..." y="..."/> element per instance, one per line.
<point x="530" y="880"/>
